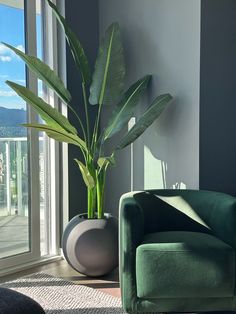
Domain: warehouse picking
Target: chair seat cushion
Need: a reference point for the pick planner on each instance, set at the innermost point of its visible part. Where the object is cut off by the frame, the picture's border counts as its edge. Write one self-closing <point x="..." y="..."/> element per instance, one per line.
<point x="177" y="264"/>
<point x="13" y="302"/>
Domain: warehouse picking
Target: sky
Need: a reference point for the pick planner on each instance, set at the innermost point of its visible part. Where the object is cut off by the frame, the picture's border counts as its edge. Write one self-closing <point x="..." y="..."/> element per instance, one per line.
<point x="11" y="67"/>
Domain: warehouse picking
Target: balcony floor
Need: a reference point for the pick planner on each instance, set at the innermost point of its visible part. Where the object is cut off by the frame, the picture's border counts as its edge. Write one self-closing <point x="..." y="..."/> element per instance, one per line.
<point x="14" y="239"/>
<point x="14" y="235"/>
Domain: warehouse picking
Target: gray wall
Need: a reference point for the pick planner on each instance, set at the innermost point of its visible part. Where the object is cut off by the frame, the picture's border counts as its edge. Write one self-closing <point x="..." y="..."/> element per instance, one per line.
<point x="161" y="37"/>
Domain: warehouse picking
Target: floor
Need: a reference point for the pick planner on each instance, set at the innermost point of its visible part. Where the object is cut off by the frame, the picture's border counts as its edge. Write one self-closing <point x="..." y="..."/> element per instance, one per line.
<point x="11" y="243"/>
<point x="108" y="284"/>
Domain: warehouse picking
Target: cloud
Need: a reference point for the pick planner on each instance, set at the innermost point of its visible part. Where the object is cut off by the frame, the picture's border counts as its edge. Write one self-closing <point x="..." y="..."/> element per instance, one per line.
<point x="6" y="55"/>
<point x="21" y="81"/>
<point x="21" y="48"/>
<point x="4" y="49"/>
<point x="5" y="58"/>
<point x="4" y="93"/>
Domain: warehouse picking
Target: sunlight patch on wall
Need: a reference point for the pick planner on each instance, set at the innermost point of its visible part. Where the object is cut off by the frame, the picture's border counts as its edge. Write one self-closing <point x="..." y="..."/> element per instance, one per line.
<point x="156" y="175"/>
<point x="179" y="186"/>
<point x="154" y="171"/>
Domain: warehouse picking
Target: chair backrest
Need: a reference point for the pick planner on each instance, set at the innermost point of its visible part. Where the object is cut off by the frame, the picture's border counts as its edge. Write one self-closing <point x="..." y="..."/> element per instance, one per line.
<point x="189" y="210"/>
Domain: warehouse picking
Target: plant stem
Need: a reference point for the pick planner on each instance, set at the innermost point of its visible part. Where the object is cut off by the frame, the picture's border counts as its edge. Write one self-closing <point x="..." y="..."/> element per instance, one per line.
<point x="100" y="193"/>
<point x="86" y="113"/>
<point x="99" y="209"/>
<point x="91" y="193"/>
<point x="89" y="203"/>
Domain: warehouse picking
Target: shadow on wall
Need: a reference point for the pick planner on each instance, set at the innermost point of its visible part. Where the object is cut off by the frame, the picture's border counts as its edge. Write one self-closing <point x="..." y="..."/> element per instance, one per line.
<point x="157" y="41"/>
<point x="158" y="155"/>
<point x="163" y="156"/>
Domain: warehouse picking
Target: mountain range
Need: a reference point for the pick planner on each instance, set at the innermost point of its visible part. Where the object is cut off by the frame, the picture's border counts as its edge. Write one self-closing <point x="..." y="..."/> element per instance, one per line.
<point x="10" y="120"/>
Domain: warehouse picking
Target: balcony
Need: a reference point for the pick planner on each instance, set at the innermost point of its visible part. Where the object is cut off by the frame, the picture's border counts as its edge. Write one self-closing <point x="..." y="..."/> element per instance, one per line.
<point x="14" y="210"/>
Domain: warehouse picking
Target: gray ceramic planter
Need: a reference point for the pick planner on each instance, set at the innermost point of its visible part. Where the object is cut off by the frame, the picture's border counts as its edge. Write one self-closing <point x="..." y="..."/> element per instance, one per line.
<point x="90" y="246"/>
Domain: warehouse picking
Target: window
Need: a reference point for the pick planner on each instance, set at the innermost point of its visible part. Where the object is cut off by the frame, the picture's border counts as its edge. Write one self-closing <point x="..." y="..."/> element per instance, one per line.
<point x="27" y="217"/>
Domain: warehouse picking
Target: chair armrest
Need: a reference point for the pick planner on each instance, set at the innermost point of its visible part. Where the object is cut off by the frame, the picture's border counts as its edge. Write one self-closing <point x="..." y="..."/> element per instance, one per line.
<point x="131" y="230"/>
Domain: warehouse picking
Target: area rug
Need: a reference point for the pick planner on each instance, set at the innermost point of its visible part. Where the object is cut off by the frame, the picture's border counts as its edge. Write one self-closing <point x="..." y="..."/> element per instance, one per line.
<point x="56" y="295"/>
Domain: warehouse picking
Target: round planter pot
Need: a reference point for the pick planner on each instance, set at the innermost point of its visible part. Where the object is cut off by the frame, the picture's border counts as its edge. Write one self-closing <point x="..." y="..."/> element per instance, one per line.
<point x="90" y="246"/>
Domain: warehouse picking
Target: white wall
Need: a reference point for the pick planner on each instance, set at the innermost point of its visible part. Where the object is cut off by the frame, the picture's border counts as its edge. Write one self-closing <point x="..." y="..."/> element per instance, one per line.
<point x="161" y="37"/>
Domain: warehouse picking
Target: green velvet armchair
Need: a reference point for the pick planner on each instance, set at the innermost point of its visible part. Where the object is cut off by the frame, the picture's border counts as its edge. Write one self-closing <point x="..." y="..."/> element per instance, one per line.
<point x="177" y="251"/>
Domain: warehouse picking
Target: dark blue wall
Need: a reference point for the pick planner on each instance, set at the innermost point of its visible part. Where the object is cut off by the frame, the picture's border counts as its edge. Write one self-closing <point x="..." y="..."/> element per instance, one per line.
<point x="83" y="19"/>
<point x="217" y="96"/>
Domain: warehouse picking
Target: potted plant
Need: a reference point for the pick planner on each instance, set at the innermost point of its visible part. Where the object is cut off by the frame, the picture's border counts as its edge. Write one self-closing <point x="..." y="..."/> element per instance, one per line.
<point x="90" y="240"/>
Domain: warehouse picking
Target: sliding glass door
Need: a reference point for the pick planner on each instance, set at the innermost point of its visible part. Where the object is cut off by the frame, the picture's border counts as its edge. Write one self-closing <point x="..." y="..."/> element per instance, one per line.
<point x="24" y="231"/>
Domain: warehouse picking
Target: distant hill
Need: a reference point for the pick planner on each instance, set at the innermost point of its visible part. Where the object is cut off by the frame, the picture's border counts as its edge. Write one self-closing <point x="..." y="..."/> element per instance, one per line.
<point x="10" y="120"/>
<point x="12" y="117"/>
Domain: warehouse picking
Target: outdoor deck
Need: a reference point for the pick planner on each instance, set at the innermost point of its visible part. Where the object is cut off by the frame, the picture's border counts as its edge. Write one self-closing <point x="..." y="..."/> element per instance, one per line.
<point x="14" y="176"/>
<point x="14" y="235"/>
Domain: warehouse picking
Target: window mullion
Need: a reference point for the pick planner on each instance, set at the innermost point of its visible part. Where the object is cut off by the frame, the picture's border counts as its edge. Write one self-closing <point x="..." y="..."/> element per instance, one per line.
<point x="53" y="148"/>
<point x="33" y="138"/>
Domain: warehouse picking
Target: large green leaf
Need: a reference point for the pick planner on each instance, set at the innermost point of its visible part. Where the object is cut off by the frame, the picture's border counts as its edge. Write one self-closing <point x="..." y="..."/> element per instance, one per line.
<point x="155" y="110"/>
<point x="125" y="109"/>
<point x="88" y="179"/>
<point x="108" y="78"/>
<point x="50" y="115"/>
<point x="44" y="73"/>
<point x="77" y="50"/>
<point x="58" y="134"/>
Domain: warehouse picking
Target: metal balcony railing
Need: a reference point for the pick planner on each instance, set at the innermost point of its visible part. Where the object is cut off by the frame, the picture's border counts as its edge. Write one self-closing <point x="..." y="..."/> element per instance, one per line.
<point x="14" y="216"/>
<point x="14" y="176"/>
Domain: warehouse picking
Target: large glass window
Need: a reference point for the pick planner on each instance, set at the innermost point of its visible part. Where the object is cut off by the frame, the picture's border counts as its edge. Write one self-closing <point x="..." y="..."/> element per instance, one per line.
<point x="24" y="155"/>
<point x="14" y="210"/>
